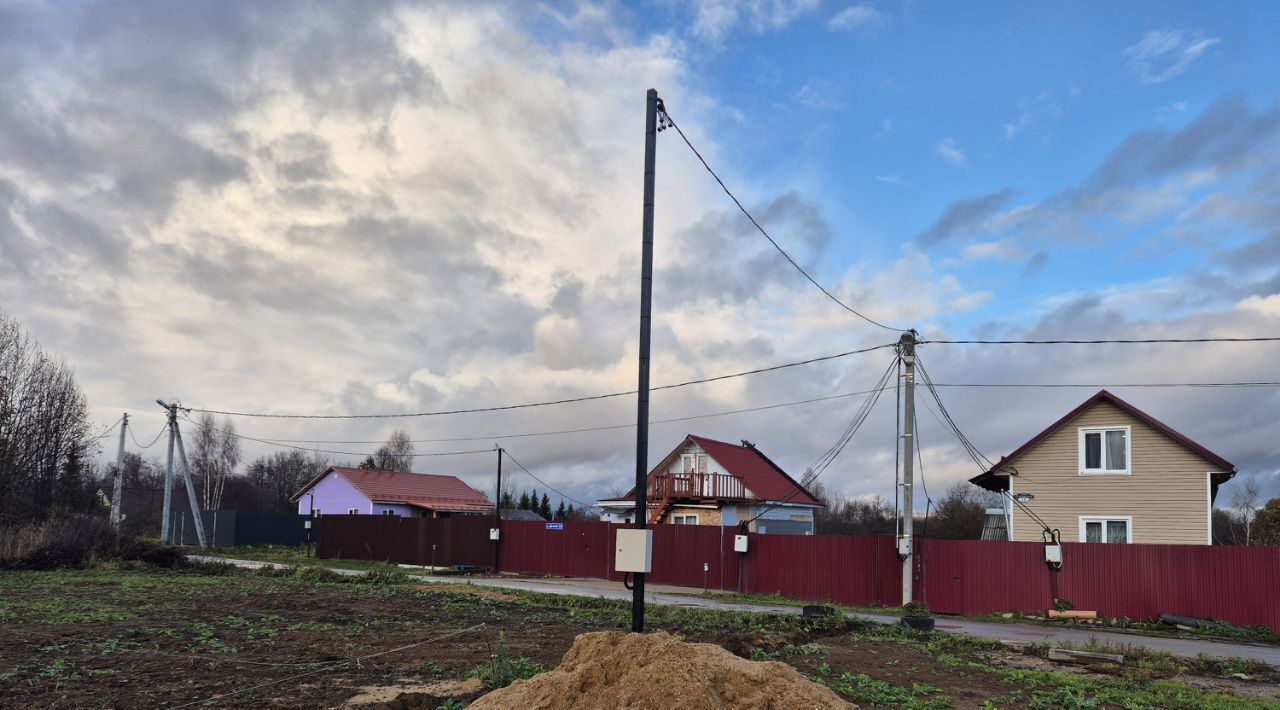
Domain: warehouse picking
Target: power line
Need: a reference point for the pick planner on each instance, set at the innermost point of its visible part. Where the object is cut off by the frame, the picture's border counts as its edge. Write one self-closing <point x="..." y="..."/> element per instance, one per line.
<point x="527" y="405"/>
<point x="609" y="427"/>
<point x="1112" y="386"/>
<point x="332" y="451"/>
<point x="163" y="429"/>
<point x="1122" y="341"/>
<point x="820" y="464"/>
<point x="761" y="229"/>
<point x="548" y="485"/>
<point x="106" y="431"/>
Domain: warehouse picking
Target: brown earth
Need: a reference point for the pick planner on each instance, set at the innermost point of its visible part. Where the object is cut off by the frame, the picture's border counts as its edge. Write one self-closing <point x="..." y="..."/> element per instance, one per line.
<point x="90" y="639"/>
<point x="631" y="671"/>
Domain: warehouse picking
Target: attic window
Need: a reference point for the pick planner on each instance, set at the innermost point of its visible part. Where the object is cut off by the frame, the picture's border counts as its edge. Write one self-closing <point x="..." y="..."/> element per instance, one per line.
<point x="1104" y="450"/>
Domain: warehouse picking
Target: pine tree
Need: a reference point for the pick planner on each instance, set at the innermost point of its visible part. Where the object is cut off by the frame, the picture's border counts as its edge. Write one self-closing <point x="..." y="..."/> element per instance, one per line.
<point x="524" y="501"/>
<point x="545" y="508"/>
<point x="571" y="514"/>
<point x="507" y="500"/>
<point x="560" y="511"/>
<point x="368" y="464"/>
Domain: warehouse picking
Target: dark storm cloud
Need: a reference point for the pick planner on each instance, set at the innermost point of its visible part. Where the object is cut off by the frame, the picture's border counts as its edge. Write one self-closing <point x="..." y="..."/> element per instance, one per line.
<point x="965" y="216"/>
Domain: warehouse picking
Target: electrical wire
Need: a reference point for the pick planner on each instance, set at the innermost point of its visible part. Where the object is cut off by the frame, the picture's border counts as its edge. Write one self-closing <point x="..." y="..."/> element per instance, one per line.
<point x="1051" y="385"/>
<point x="548" y="485"/>
<point x="609" y="427"/>
<point x="1122" y="341"/>
<point x="527" y="405"/>
<point x="820" y="464"/>
<point x="332" y="451"/>
<point x="762" y="231"/>
<point x="163" y="429"/>
<point x="106" y="431"/>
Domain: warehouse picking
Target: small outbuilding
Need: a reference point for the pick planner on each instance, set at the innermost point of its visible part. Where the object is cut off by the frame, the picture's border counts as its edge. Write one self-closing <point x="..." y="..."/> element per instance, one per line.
<point x="358" y="491"/>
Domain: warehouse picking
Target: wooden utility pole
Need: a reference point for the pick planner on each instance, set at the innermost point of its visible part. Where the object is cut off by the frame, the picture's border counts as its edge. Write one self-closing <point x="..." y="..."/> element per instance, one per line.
<point x="117" y="491"/>
<point x="907" y="350"/>
<point x="653" y="104"/>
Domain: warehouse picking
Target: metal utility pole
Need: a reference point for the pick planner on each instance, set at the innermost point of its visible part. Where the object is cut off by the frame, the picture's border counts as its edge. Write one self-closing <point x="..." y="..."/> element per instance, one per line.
<point x="907" y="350"/>
<point x="497" y="515"/>
<point x="165" y="532"/>
<point x="117" y="491"/>
<point x="652" y="106"/>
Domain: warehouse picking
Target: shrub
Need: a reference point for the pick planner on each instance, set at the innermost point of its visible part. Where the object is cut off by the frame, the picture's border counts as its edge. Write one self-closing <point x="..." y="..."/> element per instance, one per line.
<point x="78" y="543"/>
<point x="503" y="670"/>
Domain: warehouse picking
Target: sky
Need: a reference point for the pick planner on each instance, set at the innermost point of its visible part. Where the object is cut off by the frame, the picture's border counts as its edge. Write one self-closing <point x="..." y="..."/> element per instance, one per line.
<point x="391" y="207"/>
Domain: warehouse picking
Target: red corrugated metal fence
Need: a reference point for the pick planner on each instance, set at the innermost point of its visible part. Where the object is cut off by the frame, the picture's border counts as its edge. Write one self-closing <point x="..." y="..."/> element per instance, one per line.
<point x="1235" y="584"/>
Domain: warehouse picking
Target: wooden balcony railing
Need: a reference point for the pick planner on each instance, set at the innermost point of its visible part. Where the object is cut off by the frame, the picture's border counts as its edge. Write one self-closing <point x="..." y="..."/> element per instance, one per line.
<point x="696" y="486"/>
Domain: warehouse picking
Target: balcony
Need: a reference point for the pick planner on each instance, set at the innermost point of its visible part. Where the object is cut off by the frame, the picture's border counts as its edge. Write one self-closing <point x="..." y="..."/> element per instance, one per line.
<point x="697" y="486"/>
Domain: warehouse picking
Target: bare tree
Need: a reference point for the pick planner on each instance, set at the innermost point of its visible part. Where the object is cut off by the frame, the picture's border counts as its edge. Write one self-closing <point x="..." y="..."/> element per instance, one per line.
<point x="1244" y="504"/>
<point x="396" y="454"/>
<point x="214" y="455"/>
<point x="45" y="435"/>
<point x="277" y="477"/>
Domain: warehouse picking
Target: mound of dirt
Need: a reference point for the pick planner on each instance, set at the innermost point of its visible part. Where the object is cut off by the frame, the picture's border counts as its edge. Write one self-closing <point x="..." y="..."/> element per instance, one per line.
<point x="612" y="669"/>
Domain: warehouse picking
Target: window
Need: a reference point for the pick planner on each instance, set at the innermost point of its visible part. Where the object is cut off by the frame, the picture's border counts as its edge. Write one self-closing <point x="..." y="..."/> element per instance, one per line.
<point x="1104" y="450"/>
<point x="693" y="463"/>
<point x="1118" y="529"/>
<point x="315" y="512"/>
<point x="353" y="511"/>
<point x="388" y="512"/>
<point x="684" y="519"/>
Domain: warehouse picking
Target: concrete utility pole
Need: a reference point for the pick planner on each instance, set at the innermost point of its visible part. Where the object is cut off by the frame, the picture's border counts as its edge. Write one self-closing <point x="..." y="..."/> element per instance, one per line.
<point x="652" y="106"/>
<point x="907" y="350"/>
<point x="117" y="491"/>
<point x="175" y="436"/>
<point x="165" y="532"/>
<point x="497" y="515"/>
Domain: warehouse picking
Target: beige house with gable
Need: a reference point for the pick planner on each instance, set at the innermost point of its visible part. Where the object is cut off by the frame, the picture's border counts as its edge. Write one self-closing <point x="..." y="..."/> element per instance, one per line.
<point x="1108" y="472"/>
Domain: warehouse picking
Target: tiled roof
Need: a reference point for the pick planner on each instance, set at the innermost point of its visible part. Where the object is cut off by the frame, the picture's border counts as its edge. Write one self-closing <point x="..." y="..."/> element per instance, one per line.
<point x="765" y="479"/>
<point x="420" y="490"/>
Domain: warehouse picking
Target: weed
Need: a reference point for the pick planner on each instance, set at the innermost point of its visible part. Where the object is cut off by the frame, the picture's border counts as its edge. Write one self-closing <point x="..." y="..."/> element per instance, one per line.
<point x="451" y="704"/>
<point x="863" y="688"/>
<point x="503" y="669"/>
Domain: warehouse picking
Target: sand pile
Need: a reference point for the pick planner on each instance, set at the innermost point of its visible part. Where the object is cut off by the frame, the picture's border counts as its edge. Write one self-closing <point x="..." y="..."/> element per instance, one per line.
<point x="651" y="671"/>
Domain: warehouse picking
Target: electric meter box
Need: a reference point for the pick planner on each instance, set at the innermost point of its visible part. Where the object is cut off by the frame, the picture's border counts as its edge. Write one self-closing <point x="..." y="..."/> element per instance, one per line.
<point x="1053" y="554"/>
<point x="493" y="534"/>
<point x="739" y="543"/>
<point x="634" y="551"/>
<point x="904" y="547"/>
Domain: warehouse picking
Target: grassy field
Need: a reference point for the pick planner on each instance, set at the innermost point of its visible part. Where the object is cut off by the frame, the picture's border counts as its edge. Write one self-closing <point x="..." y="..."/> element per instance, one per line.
<point x="128" y="635"/>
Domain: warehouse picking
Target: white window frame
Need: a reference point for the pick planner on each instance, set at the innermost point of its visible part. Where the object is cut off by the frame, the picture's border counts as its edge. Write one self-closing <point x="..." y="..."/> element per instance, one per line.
<point x="353" y="511"/>
<point x="1104" y="519"/>
<point x="388" y="511"/>
<point x="316" y="512"/>
<point x="1128" y="451"/>
<point x="685" y="517"/>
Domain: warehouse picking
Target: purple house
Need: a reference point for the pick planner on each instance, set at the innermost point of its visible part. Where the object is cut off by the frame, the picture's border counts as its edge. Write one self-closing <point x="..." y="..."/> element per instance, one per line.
<point x="356" y="491"/>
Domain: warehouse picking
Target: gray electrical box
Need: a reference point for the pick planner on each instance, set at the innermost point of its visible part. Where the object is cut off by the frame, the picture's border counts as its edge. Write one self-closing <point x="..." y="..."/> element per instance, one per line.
<point x="739" y="543"/>
<point x="634" y="551"/>
<point x="1053" y="554"/>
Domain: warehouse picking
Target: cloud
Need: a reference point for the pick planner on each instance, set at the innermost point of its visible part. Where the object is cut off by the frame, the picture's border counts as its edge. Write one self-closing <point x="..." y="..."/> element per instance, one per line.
<point x="715" y="20"/>
<point x="1162" y="55"/>
<point x="820" y="95"/>
<point x="856" y="17"/>
<point x="965" y="216"/>
<point x="949" y="150"/>
<point x="893" y="179"/>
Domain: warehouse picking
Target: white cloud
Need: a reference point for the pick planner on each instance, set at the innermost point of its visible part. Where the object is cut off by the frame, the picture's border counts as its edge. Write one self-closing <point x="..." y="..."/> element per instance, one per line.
<point x="715" y="20"/>
<point x="820" y="95"/>
<point x="893" y="179"/>
<point x="856" y="17"/>
<point x="949" y="150"/>
<point x="1164" y="54"/>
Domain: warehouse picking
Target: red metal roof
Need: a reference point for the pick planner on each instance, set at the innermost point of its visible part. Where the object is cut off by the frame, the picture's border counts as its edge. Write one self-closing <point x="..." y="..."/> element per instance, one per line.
<point x="986" y="479"/>
<point x="420" y="490"/>
<point x="762" y="476"/>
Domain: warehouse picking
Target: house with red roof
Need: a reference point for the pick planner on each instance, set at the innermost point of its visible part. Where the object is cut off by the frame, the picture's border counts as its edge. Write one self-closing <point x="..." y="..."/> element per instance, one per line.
<point x="357" y="491"/>
<point x="708" y="482"/>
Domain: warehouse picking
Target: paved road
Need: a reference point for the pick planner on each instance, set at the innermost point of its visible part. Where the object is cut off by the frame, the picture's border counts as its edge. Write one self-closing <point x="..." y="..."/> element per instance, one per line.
<point x="666" y="595"/>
